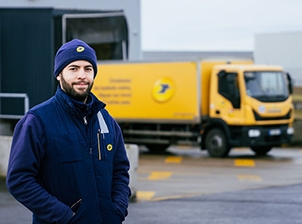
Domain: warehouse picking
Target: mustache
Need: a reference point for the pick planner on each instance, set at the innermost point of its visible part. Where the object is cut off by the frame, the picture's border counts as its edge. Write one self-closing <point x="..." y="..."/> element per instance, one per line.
<point x="80" y="82"/>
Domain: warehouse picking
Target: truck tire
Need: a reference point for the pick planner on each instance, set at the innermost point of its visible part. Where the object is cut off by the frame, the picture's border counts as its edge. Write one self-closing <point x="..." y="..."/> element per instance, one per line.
<point x="156" y="148"/>
<point x="261" y="150"/>
<point x="216" y="143"/>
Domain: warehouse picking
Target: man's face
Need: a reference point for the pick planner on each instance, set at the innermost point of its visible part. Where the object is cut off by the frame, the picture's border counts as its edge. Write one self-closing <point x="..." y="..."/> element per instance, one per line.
<point x="76" y="79"/>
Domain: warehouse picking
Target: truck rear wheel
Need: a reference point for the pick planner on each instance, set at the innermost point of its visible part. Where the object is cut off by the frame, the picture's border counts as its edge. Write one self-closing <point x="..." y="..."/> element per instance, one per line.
<point x="261" y="150"/>
<point x="216" y="143"/>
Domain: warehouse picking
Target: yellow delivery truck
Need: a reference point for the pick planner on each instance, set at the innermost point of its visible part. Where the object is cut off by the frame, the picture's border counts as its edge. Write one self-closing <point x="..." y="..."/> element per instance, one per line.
<point x="216" y="105"/>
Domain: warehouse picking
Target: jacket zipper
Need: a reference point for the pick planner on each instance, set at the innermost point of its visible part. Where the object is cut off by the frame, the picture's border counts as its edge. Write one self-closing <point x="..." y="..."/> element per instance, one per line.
<point x="85" y="120"/>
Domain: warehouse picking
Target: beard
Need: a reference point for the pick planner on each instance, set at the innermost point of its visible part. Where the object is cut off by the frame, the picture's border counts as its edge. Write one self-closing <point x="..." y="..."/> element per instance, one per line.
<point x="79" y="96"/>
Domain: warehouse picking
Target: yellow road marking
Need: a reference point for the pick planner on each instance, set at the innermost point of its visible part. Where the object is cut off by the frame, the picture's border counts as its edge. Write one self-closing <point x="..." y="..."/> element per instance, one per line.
<point x="145" y="195"/>
<point x="159" y="175"/>
<point x="175" y="197"/>
<point x="248" y="177"/>
<point x="149" y="196"/>
<point x="173" y="159"/>
<point x="244" y="162"/>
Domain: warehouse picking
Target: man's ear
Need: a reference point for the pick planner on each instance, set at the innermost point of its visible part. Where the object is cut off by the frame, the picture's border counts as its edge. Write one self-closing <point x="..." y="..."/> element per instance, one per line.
<point x="58" y="77"/>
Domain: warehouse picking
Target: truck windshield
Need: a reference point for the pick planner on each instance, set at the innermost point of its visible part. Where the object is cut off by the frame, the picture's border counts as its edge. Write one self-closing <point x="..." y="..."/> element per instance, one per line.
<point x="266" y="86"/>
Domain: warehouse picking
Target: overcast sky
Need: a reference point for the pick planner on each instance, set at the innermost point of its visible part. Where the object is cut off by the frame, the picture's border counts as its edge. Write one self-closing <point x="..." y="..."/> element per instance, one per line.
<point x="215" y="25"/>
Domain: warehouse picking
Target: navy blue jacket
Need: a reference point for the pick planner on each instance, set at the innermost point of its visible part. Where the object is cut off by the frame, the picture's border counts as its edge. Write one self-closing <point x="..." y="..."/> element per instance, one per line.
<point x="63" y="163"/>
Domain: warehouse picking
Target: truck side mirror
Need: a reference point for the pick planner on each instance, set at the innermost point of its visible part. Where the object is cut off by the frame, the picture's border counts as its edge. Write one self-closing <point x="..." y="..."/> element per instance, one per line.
<point x="290" y="84"/>
<point x="221" y="74"/>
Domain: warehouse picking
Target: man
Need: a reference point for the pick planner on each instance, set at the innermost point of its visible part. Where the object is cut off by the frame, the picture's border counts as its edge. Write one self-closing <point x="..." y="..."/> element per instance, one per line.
<point x="68" y="162"/>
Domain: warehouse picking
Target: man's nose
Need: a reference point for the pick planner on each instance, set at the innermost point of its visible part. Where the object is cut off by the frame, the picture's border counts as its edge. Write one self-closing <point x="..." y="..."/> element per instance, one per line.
<point x="82" y="73"/>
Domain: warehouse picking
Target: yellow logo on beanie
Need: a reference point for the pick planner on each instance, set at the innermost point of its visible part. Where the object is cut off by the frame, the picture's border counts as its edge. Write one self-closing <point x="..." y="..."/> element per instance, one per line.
<point x="80" y="49"/>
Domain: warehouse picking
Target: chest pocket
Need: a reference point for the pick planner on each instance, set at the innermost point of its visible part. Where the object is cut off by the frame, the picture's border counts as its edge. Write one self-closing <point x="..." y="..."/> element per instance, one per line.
<point x="64" y="148"/>
<point x="68" y="148"/>
<point x="105" y="139"/>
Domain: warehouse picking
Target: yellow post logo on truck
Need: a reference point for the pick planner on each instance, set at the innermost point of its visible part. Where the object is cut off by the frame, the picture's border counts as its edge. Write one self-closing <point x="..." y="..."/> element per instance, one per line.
<point x="214" y="104"/>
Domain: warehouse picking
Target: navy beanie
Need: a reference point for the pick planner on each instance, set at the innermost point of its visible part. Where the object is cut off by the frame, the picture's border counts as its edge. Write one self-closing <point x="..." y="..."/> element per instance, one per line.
<point x="72" y="51"/>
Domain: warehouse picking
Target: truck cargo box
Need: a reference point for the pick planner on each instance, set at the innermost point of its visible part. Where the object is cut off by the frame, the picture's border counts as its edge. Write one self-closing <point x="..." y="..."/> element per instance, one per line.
<point x="148" y="92"/>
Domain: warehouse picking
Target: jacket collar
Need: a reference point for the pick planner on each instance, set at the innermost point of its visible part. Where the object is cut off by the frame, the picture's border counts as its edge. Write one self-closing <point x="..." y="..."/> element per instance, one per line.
<point x="93" y="103"/>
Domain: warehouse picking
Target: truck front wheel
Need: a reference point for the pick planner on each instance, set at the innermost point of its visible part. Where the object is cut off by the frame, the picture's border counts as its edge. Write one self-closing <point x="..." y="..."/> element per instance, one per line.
<point x="216" y="143"/>
<point x="261" y="150"/>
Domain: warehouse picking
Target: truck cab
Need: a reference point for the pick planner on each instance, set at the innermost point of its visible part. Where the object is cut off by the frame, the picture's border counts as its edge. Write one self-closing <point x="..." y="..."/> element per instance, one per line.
<point x="249" y="106"/>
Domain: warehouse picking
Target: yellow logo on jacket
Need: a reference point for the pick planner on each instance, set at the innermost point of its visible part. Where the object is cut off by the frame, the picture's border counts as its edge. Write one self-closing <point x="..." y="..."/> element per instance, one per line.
<point x="109" y="147"/>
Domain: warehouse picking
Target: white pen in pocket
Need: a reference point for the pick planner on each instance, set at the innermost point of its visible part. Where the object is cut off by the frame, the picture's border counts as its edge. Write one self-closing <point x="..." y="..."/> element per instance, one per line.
<point x="99" y="145"/>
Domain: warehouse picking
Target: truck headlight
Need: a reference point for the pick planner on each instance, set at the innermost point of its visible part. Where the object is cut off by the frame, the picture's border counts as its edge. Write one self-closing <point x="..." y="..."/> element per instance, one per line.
<point x="253" y="133"/>
<point x="290" y="131"/>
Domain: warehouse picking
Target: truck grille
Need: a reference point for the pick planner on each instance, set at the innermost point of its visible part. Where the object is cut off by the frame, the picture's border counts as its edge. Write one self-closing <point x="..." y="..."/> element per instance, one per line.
<point x="259" y="118"/>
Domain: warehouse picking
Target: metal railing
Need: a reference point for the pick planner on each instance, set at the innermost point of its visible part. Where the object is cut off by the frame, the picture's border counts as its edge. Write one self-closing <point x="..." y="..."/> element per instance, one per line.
<point x="15" y="95"/>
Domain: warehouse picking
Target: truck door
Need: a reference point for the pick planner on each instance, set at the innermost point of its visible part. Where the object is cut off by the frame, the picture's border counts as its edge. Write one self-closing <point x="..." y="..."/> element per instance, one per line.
<point x="229" y="88"/>
<point x="228" y="99"/>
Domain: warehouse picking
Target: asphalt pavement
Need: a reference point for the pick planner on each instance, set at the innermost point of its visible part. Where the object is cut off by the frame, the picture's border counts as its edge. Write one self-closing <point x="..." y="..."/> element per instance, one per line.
<point x="272" y="205"/>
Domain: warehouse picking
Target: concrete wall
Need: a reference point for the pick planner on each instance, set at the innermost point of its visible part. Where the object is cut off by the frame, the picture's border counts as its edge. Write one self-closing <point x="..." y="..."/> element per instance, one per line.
<point x="5" y="144"/>
<point x="133" y="154"/>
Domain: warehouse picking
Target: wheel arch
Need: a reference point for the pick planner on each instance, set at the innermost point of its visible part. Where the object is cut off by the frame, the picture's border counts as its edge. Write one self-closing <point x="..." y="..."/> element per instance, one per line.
<point x="215" y="123"/>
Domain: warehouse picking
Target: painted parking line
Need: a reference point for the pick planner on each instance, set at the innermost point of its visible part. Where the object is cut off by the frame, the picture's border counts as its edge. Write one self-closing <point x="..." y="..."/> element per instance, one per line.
<point x="244" y="162"/>
<point x="249" y="177"/>
<point x="149" y="196"/>
<point x="173" y="159"/>
<point x="176" y="197"/>
<point x="159" y="175"/>
<point x="145" y="195"/>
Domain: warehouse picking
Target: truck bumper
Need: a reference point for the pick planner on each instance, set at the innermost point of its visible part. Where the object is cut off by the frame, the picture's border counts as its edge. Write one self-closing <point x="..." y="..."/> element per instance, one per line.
<point x="261" y="136"/>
